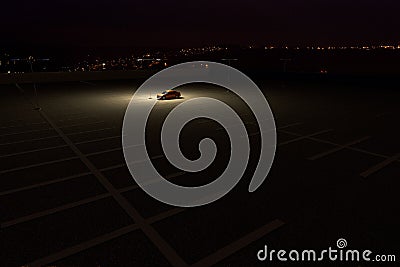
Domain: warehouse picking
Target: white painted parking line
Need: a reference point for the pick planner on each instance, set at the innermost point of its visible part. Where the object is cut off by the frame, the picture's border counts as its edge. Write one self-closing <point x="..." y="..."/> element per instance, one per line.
<point x="16" y="190"/>
<point x="318" y="140"/>
<point x="75" y="119"/>
<point x="71" y="205"/>
<point x="339" y="148"/>
<point x="31" y="151"/>
<point x="91" y="131"/>
<point x="81" y="124"/>
<point x="22" y="125"/>
<point x="37" y="165"/>
<point x="289" y="125"/>
<point x="99" y="240"/>
<point x="29" y="140"/>
<point x="380" y="166"/>
<point x="169" y="253"/>
<point x="239" y="244"/>
<point x="53" y="210"/>
<point x="98" y="140"/>
<point x="25" y="132"/>
<point x="279" y="128"/>
<point x="304" y="137"/>
<point x="104" y="151"/>
<point x="55" y="136"/>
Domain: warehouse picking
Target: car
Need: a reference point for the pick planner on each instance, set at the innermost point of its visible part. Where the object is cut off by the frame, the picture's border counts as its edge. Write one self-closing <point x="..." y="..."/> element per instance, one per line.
<point x="169" y="94"/>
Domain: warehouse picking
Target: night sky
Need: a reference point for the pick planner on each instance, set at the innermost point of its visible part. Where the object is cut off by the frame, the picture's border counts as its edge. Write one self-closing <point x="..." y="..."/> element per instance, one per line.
<point x="187" y="23"/>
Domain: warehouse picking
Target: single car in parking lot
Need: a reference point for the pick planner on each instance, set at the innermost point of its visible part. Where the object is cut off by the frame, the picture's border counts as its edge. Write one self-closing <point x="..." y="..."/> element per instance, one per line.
<point x="169" y="94"/>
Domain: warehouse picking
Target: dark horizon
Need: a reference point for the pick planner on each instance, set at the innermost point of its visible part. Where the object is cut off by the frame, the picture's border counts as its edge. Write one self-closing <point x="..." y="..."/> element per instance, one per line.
<point x="174" y="24"/>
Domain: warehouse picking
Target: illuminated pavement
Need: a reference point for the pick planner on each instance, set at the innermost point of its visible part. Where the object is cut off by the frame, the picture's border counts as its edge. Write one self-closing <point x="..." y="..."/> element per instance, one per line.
<point x="67" y="198"/>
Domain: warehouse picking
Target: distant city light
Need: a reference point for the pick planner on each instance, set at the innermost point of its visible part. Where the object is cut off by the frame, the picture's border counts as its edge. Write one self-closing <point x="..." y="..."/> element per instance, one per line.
<point x="158" y="59"/>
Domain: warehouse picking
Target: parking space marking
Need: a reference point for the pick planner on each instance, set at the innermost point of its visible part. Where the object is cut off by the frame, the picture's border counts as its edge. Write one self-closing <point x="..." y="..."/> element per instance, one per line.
<point x="98" y="140"/>
<point x="81" y="124"/>
<point x="31" y="151"/>
<point x="104" y="151"/>
<point x="77" y="203"/>
<point x="78" y="118"/>
<point x="338" y="148"/>
<point x="22" y="125"/>
<point x="170" y="254"/>
<point x="239" y="244"/>
<point x="60" y="179"/>
<point x="54" y="136"/>
<point x="113" y="167"/>
<point x="53" y="210"/>
<point x="29" y="140"/>
<point x="16" y="190"/>
<point x="304" y="137"/>
<point x="90" y="131"/>
<point x="73" y="115"/>
<point x="289" y="125"/>
<point x="100" y="240"/>
<point x="37" y="164"/>
<point x="24" y="132"/>
<point x="279" y="128"/>
<point x="140" y="222"/>
<point x="380" y="166"/>
<point x="318" y="140"/>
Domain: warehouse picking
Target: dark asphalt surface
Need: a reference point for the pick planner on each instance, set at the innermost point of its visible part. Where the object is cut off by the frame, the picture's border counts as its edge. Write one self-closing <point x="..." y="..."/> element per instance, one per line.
<point x="336" y="175"/>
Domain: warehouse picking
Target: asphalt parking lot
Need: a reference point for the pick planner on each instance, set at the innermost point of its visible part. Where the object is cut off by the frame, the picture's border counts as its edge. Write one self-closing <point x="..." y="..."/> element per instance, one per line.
<point x="67" y="197"/>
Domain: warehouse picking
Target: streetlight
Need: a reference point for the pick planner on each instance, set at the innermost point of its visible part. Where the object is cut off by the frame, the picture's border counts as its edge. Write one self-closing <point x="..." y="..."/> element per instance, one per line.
<point x="285" y="62"/>
<point x="30" y="60"/>
<point x="229" y="64"/>
<point x="148" y="59"/>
